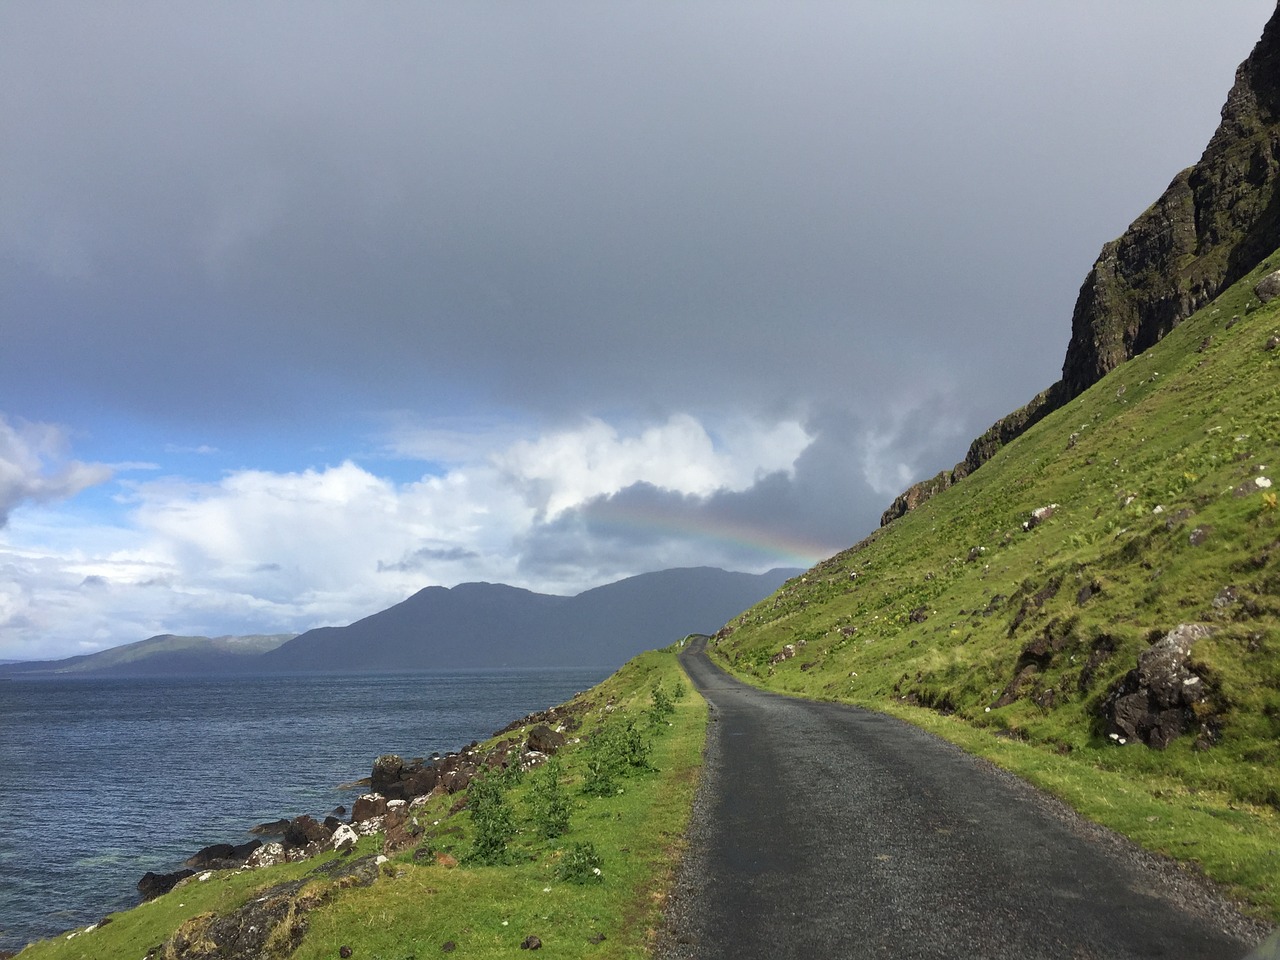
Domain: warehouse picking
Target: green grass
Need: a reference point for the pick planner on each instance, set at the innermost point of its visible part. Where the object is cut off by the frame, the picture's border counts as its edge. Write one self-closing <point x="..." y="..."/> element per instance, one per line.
<point x="445" y="895"/>
<point x="934" y="616"/>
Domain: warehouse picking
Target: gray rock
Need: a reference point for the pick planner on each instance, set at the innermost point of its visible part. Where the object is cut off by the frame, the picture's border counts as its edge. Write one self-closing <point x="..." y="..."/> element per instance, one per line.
<point x="544" y="740"/>
<point x="368" y="806"/>
<point x="153" y="885"/>
<point x="1155" y="703"/>
<point x="1268" y="288"/>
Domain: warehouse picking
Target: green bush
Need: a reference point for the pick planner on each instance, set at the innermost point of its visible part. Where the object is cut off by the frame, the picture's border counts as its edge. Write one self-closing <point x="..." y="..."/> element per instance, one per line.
<point x="618" y="748"/>
<point x="549" y="803"/>
<point x="581" y="864"/>
<point x="492" y="820"/>
<point x="663" y="707"/>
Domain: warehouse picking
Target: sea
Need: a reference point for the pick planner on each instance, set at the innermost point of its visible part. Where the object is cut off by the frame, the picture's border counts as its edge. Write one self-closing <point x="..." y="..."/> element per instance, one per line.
<point x="102" y="780"/>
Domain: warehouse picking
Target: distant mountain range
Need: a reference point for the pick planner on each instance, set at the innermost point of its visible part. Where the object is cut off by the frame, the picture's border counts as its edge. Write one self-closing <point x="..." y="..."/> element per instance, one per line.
<point x="163" y="655"/>
<point x="472" y="625"/>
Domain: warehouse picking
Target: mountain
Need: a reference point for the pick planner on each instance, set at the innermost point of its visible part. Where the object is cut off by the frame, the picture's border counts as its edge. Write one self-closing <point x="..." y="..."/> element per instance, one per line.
<point x="164" y="655"/>
<point x="472" y="625"/>
<point x="1212" y="225"/>
<point x="494" y="625"/>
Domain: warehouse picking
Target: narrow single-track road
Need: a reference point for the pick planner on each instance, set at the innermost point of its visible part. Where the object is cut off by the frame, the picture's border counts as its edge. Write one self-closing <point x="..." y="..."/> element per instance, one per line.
<point x="826" y="831"/>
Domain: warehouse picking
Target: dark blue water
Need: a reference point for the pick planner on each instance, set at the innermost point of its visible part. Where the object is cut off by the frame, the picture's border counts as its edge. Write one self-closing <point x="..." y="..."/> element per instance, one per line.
<point x="103" y="780"/>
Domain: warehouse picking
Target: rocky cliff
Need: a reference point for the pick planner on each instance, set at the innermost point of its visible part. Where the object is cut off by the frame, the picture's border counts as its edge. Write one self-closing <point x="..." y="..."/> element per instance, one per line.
<point x="1213" y="224"/>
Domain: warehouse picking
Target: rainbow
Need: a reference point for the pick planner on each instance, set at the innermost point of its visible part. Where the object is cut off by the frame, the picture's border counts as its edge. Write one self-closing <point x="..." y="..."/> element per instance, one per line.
<point x="769" y="545"/>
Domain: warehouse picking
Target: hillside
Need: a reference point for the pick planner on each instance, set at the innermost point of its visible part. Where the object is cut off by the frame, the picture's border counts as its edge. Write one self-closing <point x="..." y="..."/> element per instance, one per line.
<point x="1045" y="599"/>
<point x="163" y="655"/>
<point x="1096" y="607"/>
<point x="1051" y="631"/>
<point x="1212" y="225"/>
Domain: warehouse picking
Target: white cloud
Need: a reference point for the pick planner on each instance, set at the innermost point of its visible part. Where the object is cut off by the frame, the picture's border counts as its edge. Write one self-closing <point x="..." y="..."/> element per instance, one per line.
<point x="34" y="466"/>
<point x="261" y="551"/>
<point x="568" y="468"/>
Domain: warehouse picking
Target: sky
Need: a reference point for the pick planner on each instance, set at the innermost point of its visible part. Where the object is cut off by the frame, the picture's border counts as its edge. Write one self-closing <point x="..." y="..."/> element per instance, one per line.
<point x="306" y="306"/>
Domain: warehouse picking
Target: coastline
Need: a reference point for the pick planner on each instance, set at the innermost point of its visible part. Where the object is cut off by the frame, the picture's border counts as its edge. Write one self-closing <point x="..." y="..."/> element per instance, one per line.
<point x="186" y="762"/>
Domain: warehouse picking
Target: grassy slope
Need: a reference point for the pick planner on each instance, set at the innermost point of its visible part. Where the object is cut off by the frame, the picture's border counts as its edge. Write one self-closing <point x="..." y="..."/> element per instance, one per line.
<point x="416" y="906"/>
<point x="1155" y="451"/>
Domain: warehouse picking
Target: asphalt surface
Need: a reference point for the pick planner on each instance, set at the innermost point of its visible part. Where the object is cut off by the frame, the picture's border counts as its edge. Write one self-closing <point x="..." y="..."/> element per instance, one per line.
<point x="825" y="831"/>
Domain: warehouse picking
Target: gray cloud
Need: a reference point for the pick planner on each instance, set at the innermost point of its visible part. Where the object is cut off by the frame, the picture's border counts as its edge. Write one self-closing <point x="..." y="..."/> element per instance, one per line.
<point x="794" y="518"/>
<point x="425" y="557"/>
<point x="872" y="216"/>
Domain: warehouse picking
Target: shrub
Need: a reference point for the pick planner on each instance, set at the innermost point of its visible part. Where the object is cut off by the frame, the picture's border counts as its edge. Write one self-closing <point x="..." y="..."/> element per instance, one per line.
<point x="617" y="748"/>
<point x="581" y="864"/>
<point x="663" y="707"/>
<point x="548" y="800"/>
<point x="492" y="819"/>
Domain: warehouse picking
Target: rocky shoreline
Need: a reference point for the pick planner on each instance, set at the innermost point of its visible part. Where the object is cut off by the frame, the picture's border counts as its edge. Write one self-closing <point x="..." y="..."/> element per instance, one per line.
<point x="396" y="788"/>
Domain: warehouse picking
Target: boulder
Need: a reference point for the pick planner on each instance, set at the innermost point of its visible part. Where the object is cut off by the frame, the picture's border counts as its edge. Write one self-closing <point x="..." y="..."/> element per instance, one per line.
<point x="268" y="855"/>
<point x="344" y="838"/>
<point x="272" y="828"/>
<point x="386" y="773"/>
<point x="397" y="813"/>
<point x="1268" y="288"/>
<point x="1162" y="698"/>
<point x="1039" y="515"/>
<point x="304" y="830"/>
<point x="459" y="778"/>
<point x="210" y="854"/>
<point x="153" y="885"/>
<point x="417" y="780"/>
<point x="368" y="806"/>
<point x="544" y="740"/>
<point x="367" y="828"/>
<point x="222" y="856"/>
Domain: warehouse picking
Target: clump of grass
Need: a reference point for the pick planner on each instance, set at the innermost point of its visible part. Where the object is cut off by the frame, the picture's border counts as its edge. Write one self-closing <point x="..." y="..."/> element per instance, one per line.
<point x="618" y="748"/>
<point x="581" y="864"/>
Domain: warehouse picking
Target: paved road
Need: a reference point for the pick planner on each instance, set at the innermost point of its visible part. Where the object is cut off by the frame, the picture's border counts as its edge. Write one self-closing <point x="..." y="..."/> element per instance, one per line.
<point x="825" y="831"/>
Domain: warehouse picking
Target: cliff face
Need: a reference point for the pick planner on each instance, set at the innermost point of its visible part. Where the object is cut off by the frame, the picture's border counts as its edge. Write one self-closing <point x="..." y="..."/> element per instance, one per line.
<point x="1213" y="224"/>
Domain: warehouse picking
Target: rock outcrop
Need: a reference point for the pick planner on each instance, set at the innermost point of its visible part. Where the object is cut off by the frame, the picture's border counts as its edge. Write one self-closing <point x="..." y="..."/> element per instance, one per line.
<point x="398" y="787"/>
<point x="1215" y="222"/>
<point x="1162" y="698"/>
<point x="272" y="924"/>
